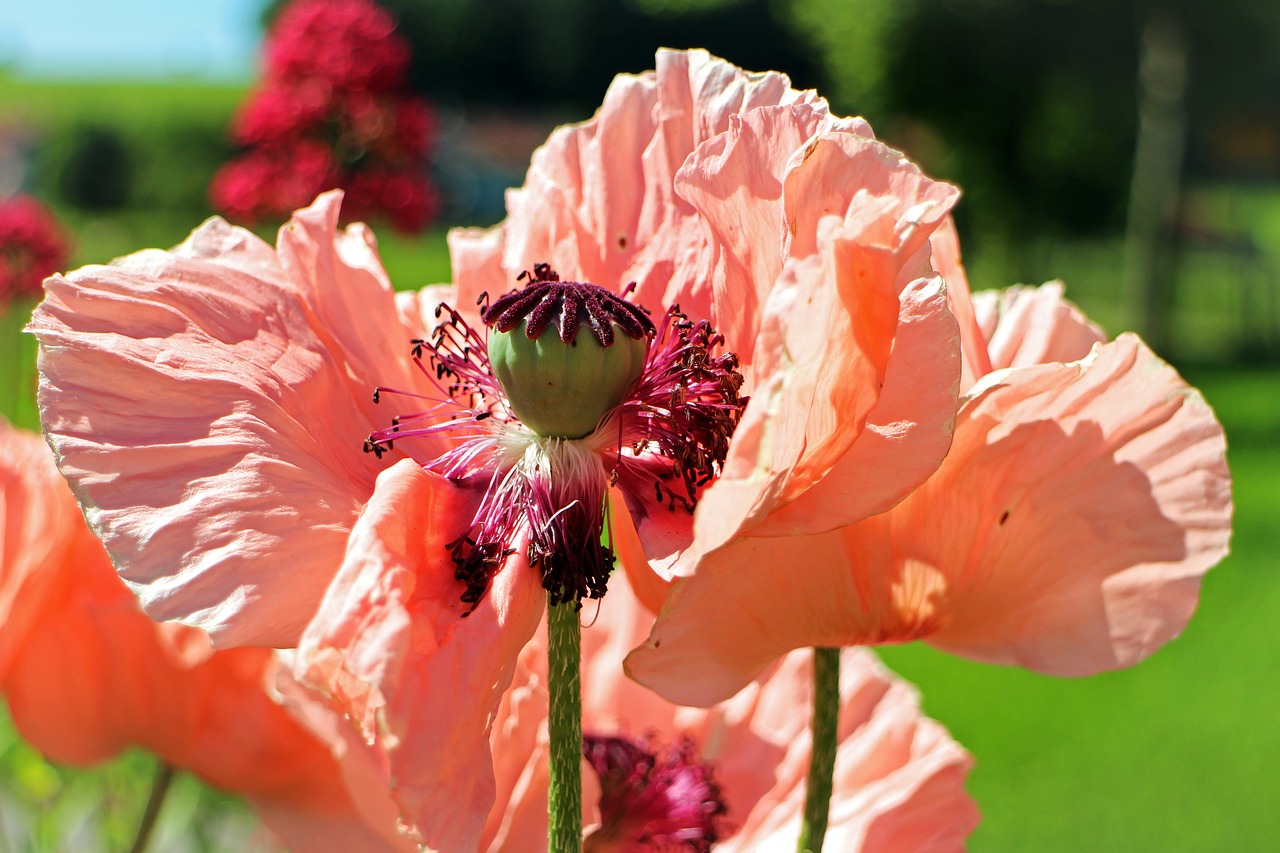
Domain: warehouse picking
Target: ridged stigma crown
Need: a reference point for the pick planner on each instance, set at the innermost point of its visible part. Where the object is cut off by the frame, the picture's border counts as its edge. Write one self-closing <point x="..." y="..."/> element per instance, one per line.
<point x="557" y="383"/>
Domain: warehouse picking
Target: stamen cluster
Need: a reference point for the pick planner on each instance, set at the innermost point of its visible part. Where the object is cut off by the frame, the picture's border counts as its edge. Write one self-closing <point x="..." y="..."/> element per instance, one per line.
<point x="668" y="802"/>
<point x="571" y="304"/>
<point x="685" y="407"/>
<point x="551" y="492"/>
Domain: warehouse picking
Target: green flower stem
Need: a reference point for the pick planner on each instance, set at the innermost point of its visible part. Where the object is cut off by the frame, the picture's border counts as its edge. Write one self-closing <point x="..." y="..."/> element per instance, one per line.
<point x="822" y="757"/>
<point x="159" y="788"/>
<point x="564" y="724"/>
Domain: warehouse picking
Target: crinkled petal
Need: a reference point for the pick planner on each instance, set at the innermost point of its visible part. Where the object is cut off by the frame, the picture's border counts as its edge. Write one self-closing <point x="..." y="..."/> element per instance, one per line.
<point x="208" y="406"/>
<point x="392" y="650"/>
<point x="907" y="432"/>
<point x="860" y="216"/>
<point x="599" y="202"/>
<point x="735" y="181"/>
<point x="1075" y="514"/>
<point x="878" y="193"/>
<point x="822" y="370"/>
<point x="1066" y="532"/>
<point x="93" y="675"/>
<point x="1024" y="326"/>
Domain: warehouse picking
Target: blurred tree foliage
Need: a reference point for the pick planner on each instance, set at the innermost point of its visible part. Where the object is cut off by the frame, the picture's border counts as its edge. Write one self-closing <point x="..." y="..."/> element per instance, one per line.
<point x="560" y="55"/>
<point x="121" y="150"/>
<point x="91" y="166"/>
<point x="1030" y="105"/>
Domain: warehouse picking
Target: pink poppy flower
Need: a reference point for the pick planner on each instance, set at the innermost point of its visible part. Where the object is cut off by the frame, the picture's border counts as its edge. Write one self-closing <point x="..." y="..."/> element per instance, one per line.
<point x="1085" y="495"/>
<point x="86" y="674"/>
<point x="205" y="402"/>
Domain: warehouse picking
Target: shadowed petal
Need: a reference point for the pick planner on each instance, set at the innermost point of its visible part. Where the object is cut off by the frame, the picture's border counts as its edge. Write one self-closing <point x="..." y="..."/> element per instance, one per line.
<point x="391" y="649"/>
<point x="88" y="675"/>
<point x="1075" y="514"/>
<point x="649" y="586"/>
<point x="208" y="406"/>
<point x="945" y="254"/>
<point x="899" y="777"/>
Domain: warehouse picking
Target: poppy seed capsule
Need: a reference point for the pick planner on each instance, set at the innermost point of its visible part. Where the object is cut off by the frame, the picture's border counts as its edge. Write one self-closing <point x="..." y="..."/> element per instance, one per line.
<point x="560" y="383"/>
<point x="563" y="389"/>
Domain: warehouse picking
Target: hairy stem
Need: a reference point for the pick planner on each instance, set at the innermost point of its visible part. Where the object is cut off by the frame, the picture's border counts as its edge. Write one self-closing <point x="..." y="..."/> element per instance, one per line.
<point x="564" y="800"/>
<point x="822" y="757"/>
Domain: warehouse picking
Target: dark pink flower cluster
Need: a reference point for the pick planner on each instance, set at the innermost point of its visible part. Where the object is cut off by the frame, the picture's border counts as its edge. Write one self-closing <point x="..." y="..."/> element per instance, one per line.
<point x="32" y="247"/>
<point x="331" y="112"/>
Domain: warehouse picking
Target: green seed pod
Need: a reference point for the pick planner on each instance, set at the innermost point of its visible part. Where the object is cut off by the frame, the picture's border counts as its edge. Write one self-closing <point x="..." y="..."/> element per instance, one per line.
<point x="563" y="389"/>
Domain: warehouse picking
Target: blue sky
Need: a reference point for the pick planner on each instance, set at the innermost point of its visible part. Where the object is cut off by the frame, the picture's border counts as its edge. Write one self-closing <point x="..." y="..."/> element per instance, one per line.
<point x="130" y="38"/>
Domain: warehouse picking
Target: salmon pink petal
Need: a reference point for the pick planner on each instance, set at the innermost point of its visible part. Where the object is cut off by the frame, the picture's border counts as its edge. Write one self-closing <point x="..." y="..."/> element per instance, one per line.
<point x="82" y="688"/>
<point x="599" y="202"/>
<point x="35" y="516"/>
<point x="209" y="404"/>
<point x="1024" y="326"/>
<point x="860" y="216"/>
<point x="392" y="649"/>
<point x="750" y="602"/>
<point x="1066" y="531"/>
<point x="735" y="181"/>
<point x="93" y="675"/>
<point x="907" y="431"/>
<point x="1075" y="514"/>
<point x="821" y="371"/>
<point x="612" y="702"/>
<point x="519" y="745"/>
<point x="649" y="586"/>
<point x="878" y="193"/>
<point x="900" y="777"/>
<point x="363" y="771"/>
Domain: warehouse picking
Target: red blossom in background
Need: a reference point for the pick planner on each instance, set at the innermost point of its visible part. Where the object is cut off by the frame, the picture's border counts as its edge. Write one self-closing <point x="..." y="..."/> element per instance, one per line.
<point x="32" y="246"/>
<point x="331" y="112"/>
